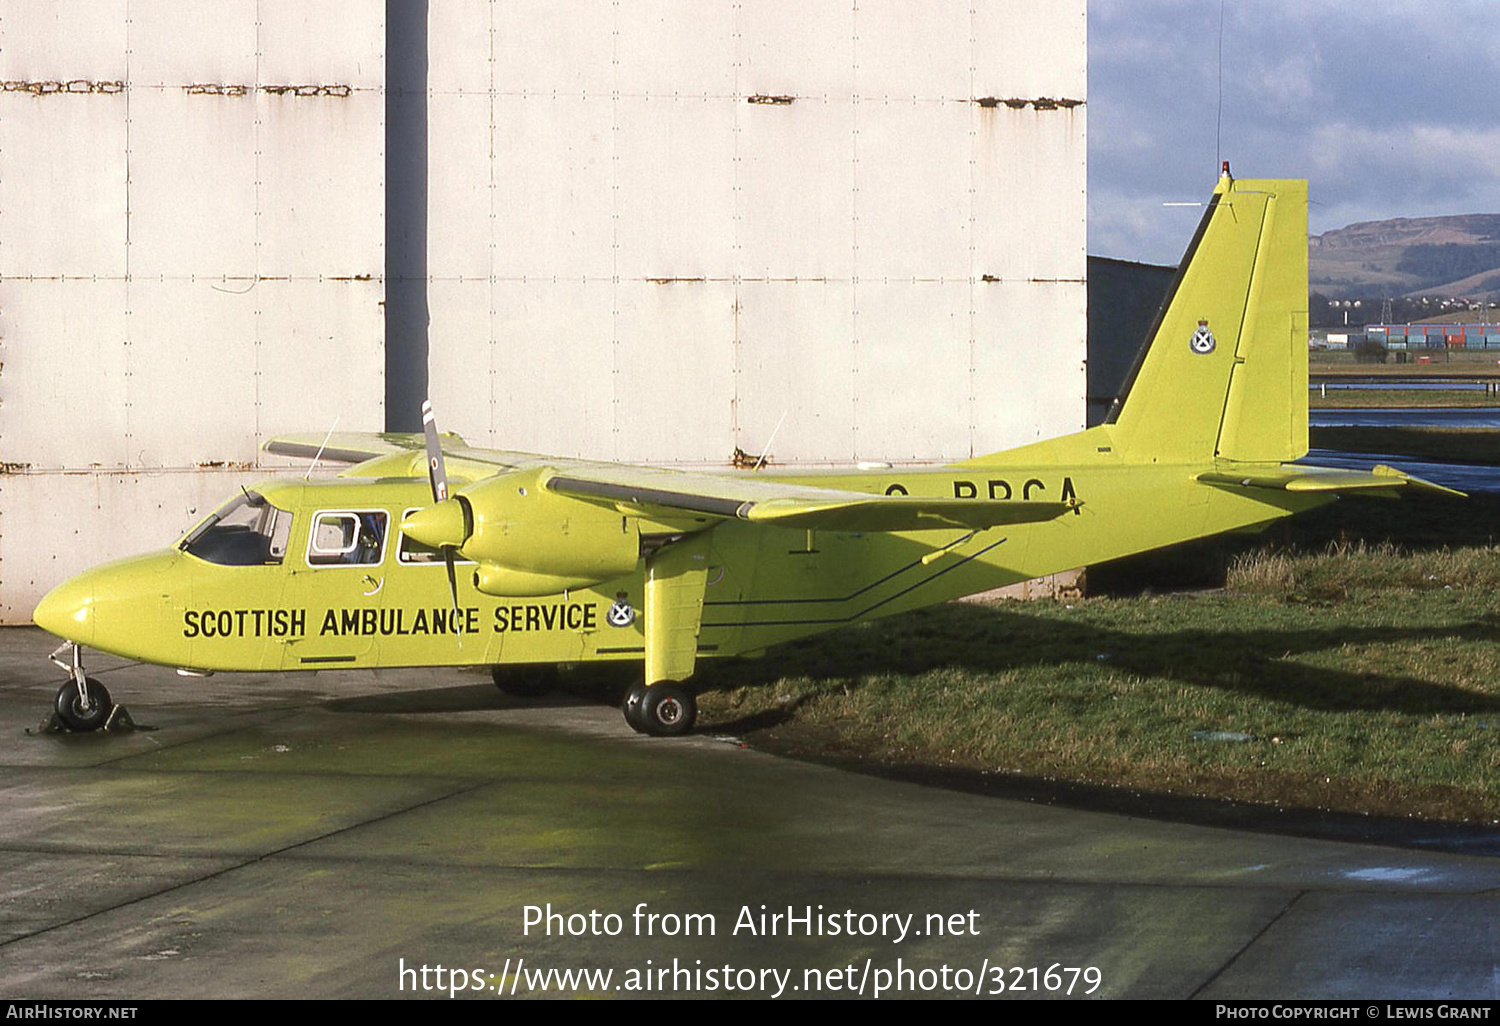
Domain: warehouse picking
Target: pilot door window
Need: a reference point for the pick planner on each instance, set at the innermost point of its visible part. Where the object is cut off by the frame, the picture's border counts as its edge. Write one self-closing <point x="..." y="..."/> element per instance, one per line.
<point x="347" y="539"/>
<point x="246" y="531"/>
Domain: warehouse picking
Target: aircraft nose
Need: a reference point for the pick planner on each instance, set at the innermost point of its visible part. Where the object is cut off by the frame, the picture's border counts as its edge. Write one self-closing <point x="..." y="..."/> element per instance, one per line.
<point x="124" y="607"/>
<point x="68" y="611"/>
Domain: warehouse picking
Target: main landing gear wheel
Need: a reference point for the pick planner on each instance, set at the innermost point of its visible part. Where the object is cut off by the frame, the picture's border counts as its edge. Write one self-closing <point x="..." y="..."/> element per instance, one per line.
<point x="527" y="681"/>
<point x="631" y="707"/>
<point x="76" y="714"/>
<point x="665" y="709"/>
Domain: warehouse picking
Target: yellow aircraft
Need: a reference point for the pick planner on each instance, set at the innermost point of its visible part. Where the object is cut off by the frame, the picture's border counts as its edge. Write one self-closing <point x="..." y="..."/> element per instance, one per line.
<point x="426" y="552"/>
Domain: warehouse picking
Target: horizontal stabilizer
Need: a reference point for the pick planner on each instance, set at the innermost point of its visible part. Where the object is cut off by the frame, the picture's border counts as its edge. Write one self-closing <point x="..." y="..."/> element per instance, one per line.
<point x="1289" y="478"/>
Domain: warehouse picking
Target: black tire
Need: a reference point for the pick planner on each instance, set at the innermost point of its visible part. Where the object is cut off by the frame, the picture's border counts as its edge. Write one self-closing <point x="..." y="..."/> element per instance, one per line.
<point x="635" y="696"/>
<point x="531" y="680"/>
<point x="71" y="711"/>
<point x="668" y="710"/>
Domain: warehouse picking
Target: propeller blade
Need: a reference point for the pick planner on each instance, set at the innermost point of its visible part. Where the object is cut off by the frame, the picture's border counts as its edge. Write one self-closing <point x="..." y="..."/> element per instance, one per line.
<point x="437" y="475"/>
<point x="452" y="584"/>
<point x="437" y="470"/>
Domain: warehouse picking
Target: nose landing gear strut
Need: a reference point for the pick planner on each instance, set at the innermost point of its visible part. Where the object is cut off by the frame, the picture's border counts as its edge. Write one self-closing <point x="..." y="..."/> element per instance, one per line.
<point x="83" y="704"/>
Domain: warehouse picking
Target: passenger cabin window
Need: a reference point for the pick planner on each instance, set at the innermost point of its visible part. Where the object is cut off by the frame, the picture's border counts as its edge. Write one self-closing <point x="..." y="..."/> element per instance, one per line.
<point x="347" y="539"/>
<point x="246" y="531"/>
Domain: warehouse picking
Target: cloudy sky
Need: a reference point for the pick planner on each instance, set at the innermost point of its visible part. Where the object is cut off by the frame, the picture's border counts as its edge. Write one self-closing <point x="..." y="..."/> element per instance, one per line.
<point x="1390" y="108"/>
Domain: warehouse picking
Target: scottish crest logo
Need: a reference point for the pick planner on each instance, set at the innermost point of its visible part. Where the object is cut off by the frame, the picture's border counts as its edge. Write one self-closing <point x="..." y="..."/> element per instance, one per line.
<point x="1202" y="341"/>
<point x="621" y="614"/>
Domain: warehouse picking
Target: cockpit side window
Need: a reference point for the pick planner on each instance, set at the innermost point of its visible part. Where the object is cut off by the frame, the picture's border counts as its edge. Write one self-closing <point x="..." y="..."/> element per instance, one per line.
<point x="347" y="538"/>
<point x="246" y="531"/>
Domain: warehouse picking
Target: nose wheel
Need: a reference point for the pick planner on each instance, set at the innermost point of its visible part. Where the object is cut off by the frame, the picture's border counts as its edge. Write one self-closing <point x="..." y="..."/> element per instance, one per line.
<point x="83" y="704"/>
<point x="84" y="707"/>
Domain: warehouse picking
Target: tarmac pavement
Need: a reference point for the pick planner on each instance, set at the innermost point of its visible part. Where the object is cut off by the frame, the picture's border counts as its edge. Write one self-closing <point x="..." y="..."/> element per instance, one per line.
<point x="334" y="835"/>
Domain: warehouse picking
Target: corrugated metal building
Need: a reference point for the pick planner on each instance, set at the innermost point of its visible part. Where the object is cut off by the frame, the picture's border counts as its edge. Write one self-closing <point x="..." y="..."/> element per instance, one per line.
<point x="639" y="231"/>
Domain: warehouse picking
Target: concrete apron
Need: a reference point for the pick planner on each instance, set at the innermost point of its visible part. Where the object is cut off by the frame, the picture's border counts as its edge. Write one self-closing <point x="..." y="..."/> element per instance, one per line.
<point x="345" y="835"/>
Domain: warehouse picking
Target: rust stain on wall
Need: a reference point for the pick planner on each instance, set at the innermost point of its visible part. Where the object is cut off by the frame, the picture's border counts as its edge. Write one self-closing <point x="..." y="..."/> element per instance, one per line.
<point x="307" y="90"/>
<point x="1037" y="103"/>
<point x="50" y="87"/>
<point x="214" y="89"/>
<point x="83" y="86"/>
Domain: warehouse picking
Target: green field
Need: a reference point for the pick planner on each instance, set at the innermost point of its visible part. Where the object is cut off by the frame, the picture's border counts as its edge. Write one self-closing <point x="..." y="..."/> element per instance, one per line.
<point x="1404" y="398"/>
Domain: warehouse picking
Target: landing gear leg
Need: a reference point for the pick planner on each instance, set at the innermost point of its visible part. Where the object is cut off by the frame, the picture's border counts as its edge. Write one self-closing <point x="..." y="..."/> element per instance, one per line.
<point x="676" y="576"/>
<point x="83" y="704"/>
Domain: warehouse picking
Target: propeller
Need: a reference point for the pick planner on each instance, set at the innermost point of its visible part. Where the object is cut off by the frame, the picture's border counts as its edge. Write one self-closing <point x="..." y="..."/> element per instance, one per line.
<point x="437" y="474"/>
<point x="525" y="539"/>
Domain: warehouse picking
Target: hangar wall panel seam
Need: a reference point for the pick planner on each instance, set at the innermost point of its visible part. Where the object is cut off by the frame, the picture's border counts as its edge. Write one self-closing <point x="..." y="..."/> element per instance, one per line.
<point x="190" y="259"/>
<point x="684" y="380"/>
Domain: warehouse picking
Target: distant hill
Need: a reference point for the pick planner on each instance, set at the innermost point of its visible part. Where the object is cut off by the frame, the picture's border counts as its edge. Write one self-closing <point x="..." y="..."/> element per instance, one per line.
<point x="1409" y="256"/>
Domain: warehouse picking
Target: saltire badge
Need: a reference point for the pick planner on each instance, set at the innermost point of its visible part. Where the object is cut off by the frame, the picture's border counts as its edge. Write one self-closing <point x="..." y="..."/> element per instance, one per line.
<point x="622" y="613"/>
<point x="1202" y="341"/>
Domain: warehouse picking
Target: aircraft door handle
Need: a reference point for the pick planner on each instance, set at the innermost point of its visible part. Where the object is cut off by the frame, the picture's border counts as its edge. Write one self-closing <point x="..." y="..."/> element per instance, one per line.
<point x="373" y="586"/>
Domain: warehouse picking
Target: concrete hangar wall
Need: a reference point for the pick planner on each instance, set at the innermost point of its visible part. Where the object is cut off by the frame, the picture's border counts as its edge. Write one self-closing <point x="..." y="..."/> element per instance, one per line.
<point x="651" y="230"/>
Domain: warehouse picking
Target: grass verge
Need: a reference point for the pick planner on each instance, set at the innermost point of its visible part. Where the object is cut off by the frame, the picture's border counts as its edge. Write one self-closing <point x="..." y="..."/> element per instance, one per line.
<point x="1359" y="679"/>
<point x="1398" y="398"/>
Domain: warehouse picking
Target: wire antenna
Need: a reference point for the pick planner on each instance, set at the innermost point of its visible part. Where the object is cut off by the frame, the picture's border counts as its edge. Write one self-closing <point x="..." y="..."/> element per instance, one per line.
<point x="1219" y="118"/>
<point x="767" y="450"/>
<point x="319" y="454"/>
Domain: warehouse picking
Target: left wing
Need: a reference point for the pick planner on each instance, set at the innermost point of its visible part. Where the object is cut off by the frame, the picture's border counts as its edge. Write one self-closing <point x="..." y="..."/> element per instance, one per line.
<point x="660" y="493"/>
<point x="345" y="447"/>
<point x="396" y="454"/>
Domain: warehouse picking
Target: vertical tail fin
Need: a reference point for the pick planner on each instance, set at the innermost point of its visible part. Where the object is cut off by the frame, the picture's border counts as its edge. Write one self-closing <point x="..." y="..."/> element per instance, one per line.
<point x="1224" y="374"/>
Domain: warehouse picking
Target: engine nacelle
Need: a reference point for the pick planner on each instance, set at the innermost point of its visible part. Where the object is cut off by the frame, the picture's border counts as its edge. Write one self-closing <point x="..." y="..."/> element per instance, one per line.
<point x="526" y="537"/>
<point x="504" y="583"/>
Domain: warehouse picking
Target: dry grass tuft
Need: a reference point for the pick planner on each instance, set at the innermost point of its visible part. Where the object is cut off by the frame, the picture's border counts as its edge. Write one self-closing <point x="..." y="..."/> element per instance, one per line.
<point x="1345" y="569"/>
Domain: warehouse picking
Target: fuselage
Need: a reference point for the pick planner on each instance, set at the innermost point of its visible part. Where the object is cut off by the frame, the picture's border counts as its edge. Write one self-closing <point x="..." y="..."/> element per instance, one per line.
<point x="317" y="575"/>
